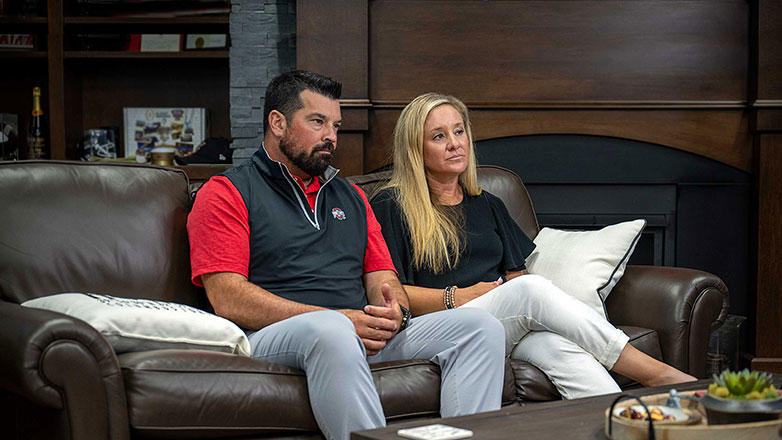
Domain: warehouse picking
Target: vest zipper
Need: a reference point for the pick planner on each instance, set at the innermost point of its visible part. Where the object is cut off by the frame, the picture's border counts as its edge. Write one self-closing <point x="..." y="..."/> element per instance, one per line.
<point x="297" y="190"/>
<point x="317" y="196"/>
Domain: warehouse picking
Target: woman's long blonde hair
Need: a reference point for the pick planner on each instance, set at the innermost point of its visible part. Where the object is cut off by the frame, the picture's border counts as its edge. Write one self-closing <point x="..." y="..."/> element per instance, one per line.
<point x="436" y="236"/>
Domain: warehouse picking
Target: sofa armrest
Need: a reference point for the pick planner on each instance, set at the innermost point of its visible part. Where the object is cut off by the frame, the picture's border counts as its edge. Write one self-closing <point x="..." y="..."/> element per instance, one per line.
<point x="683" y="305"/>
<point x="61" y="363"/>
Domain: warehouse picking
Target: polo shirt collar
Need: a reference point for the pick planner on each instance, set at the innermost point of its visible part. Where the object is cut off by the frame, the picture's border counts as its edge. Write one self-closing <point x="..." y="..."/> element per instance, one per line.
<point x="273" y="168"/>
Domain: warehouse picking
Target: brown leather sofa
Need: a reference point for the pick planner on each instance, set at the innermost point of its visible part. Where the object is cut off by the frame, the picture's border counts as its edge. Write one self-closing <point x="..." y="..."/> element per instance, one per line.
<point x="120" y="229"/>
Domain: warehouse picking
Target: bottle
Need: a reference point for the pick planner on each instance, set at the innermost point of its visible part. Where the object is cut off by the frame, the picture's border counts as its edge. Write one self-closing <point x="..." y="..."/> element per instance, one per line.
<point x="36" y="134"/>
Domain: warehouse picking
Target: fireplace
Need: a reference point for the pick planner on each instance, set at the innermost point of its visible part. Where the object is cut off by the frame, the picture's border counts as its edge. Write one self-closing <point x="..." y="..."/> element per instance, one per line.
<point x="697" y="209"/>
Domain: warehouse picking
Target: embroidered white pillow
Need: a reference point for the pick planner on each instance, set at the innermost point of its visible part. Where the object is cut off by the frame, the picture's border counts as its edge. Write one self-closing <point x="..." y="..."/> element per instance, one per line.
<point x="132" y="324"/>
<point x="585" y="264"/>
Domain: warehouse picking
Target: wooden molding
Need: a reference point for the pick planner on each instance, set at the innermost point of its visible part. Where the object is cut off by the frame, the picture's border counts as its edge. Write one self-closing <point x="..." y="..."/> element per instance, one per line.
<point x="767" y="103"/>
<point x="355" y="103"/>
<point x="582" y="105"/>
<point x="722" y="135"/>
<point x="771" y="365"/>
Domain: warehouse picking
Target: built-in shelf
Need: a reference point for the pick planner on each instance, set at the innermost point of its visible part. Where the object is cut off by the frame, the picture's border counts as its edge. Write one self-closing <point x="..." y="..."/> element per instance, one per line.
<point x="86" y="89"/>
<point x="187" y="20"/>
<point x="5" y="19"/>
<point x="22" y="54"/>
<point x="84" y="54"/>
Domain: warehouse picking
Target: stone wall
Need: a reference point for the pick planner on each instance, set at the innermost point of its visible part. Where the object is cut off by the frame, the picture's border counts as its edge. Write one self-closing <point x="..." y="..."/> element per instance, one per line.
<point x="263" y="45"/>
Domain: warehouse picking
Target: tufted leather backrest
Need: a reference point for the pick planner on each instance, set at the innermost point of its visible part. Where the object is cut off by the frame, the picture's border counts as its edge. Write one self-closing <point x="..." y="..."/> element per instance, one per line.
<point x="110" y="228"/>
<point x="499" y="181"/>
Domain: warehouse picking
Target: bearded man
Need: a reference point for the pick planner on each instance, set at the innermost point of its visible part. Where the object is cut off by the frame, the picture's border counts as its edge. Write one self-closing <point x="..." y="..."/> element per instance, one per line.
<point x="293" y="254"/>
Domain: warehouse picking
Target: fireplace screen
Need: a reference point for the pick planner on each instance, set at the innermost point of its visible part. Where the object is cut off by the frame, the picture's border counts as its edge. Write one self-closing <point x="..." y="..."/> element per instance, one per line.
<point x="697" y="209"/>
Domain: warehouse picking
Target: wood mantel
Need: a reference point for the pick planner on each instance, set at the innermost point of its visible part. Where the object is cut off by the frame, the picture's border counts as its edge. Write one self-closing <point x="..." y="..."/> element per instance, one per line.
<point x="767" y="131"/>
<point x="703" y="76"/>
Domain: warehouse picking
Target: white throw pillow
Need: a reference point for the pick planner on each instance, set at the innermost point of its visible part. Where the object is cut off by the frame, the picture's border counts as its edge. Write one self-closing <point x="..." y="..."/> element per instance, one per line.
<point x="132" y="324"/>
<point x="585" y="264"/>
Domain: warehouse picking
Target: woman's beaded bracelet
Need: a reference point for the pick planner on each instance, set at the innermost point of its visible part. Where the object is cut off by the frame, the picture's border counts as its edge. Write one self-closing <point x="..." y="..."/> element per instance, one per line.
<point x="448" y="297"/>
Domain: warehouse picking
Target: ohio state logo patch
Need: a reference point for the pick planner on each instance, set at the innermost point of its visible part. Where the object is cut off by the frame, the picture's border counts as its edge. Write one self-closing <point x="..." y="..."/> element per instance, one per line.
<point x="338" y="214"/>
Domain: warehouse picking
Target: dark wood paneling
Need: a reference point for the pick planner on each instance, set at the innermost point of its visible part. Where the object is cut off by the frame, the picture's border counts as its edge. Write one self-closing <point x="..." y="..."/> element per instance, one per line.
<point x="769" y="119"/>
<point x="354" y="118"/>
<point x="520" y="51"/>
<point x="769" y="300"/>
<point x="348" y="156"/>
<point x="721" y="135"/>
<point x="331" y="39"/>
<point x="772" y="365"/>
<point x="57" y="120"/>
<point x="768" y="125"/>
<point x="769" y="49"/>
<point x="74" y="113"/>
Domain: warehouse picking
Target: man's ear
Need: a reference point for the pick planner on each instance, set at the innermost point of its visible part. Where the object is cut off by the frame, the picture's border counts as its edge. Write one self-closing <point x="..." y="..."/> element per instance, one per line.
<point x="277" y="123"/>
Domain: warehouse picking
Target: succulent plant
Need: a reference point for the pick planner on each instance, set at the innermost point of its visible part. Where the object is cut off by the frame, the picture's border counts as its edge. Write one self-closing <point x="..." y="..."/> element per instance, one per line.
<point x="744" y="385"/>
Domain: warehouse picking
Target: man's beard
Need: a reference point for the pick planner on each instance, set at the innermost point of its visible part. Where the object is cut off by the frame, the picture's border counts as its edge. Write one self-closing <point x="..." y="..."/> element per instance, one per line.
<point x="313" y="163"/>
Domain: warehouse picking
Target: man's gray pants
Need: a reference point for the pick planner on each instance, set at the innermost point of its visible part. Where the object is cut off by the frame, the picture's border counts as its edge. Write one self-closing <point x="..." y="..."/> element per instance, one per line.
<point x="467" y="344"/>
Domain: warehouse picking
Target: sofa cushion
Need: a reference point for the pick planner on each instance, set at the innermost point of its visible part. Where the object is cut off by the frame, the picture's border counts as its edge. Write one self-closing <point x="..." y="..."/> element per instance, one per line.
<point x="176" y="393"/>
<point x="195" y="393"/>
<point x="532" y="385"/>
<point x="131" y="324"/>
<point x="585" y="264"/>
<point x="506" y="185"/>
<point x="111" y="228"/>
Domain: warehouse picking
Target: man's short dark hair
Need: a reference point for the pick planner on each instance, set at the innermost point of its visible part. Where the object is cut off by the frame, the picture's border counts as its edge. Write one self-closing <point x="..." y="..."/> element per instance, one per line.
<point x="282" y="93"/>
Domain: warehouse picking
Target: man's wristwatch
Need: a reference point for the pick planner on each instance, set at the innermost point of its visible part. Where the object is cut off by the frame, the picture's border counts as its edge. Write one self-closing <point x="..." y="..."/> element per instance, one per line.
<point x="405" y="317"/>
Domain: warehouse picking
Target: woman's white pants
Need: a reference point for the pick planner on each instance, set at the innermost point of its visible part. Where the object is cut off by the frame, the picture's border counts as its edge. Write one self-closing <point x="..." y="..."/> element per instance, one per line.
<point x="567" y="340"/>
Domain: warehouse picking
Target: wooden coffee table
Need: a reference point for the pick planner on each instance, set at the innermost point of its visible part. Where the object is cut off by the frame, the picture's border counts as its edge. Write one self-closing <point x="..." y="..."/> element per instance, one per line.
<point x="563" y="419"/>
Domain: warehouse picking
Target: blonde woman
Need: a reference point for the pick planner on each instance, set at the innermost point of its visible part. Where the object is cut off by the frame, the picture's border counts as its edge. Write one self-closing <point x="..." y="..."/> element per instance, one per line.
<point x="455" y="245"/>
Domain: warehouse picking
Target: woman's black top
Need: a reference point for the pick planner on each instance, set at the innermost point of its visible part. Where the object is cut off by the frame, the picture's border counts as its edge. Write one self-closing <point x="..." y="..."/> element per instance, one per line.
<point x="492" y="242"/>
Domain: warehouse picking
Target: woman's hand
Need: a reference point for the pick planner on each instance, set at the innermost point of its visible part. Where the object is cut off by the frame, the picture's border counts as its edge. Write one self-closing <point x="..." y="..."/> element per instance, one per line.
<point x="463" y="295"/>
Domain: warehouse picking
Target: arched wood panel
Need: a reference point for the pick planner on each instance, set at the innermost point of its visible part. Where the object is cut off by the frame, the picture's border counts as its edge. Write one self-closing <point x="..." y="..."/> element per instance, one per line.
<point x="722" y="135"/>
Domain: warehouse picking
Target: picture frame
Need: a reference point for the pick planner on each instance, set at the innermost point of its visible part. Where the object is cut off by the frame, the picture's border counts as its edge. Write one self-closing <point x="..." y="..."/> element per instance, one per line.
<point x="205" y="41"/>
<point x="181" y="128"/>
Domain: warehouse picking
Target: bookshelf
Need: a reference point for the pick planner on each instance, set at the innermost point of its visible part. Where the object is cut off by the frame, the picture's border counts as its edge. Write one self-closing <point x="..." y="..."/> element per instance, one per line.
<point x="86" y="89"/>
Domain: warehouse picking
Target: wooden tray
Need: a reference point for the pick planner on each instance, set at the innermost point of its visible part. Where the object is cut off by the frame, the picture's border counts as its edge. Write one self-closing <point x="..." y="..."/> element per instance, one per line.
<point x="626" y="429"/>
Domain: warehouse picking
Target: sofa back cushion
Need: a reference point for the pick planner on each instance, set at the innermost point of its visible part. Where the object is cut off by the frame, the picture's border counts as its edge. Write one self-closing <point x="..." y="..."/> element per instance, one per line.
<point x="116" y="229"/>
<point x="507" y="185"/>
<point x="499" y="181"/>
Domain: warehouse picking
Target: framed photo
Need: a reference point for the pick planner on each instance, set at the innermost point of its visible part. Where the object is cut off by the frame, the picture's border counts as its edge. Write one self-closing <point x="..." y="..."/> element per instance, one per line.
<point x="154" y="43"/>
<point x="206" y="41"/>
<point x="181" y="128"/>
